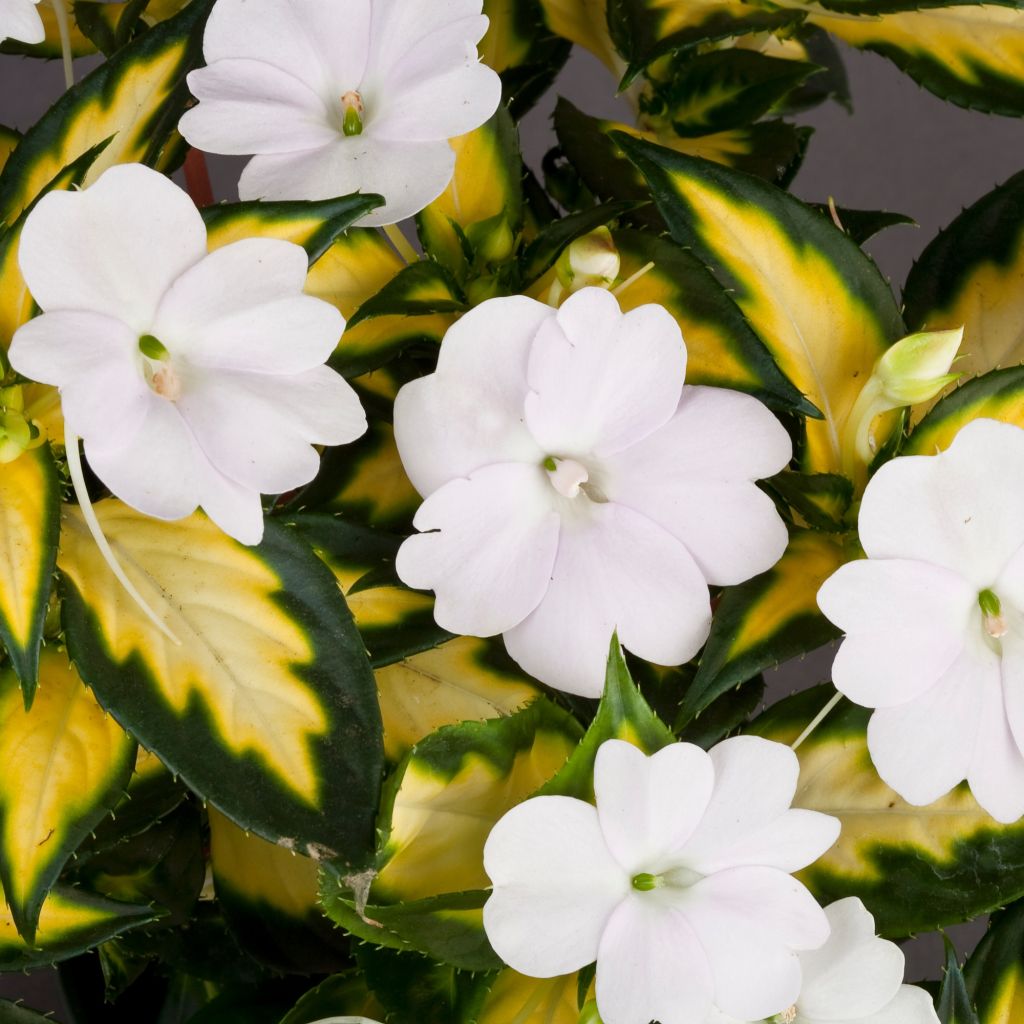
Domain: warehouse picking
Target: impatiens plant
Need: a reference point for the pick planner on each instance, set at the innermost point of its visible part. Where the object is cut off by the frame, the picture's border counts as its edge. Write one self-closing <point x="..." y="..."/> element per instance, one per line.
<point x="384" y="626"/>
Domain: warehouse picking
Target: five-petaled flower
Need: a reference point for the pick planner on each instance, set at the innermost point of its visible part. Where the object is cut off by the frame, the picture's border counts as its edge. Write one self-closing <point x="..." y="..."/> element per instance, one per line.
<point x="855" y="978"/>
<point x="934" y="620"/>
<point x="574" y="486"/>
<point x="193" y="377"/>
<point x="337" y="97"/>
<point x="677" y="883"/>
<point x="20" y="20"/>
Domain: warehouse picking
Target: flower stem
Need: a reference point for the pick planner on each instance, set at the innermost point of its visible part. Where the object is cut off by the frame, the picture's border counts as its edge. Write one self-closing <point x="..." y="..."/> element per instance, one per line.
<point x="401" y="243"/>
<point x="816" y="721"/>
<point x="197" y="179"/>
<point x="61" y="13"/>
<point x="89" y="514"/>
<point x="632" y="279"/>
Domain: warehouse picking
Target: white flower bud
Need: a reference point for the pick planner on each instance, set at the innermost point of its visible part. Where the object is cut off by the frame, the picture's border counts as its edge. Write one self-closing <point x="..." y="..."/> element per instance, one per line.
<point x="916" y="369"/>
<point x="590" y="261"/>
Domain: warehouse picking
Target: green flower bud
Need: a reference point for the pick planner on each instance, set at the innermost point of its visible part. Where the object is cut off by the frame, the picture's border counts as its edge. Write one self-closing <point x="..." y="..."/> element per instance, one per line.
<point x="590" y="261"/>
<point x="916" y="369"/>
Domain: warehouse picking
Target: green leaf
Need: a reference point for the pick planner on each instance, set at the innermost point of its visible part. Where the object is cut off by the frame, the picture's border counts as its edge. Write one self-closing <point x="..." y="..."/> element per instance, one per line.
<point x="767" y="620"/>
<point x="29" y="530"/>
<point x="514" y="997"/>
<point x="767" y="246"/>
<point x="969" y="276"/>
<point x="862" y="225"/>
<point x="623" y="714"/>
<point x="19" y="1013"/>
<point x="954" y="1006"/>
<point x="418" y="290"/>
<point x="646" y="29"/>
<point x="915" y="868"/>
<point x="819" y="500"/>
<point x="723" y="89"/>
<point x="520" y="47"/>
<point x="9" y="138"/>
<point x="721" y="348"/>
<point x="970" y="54"/>
<point x="134" y="99"/>
<point x="65" y="766"/>
<point x="439" y="807"/>
<point x="70" y="922"/>
<point x="995" y="970"/>
<point x="315" y="226"/>
<point x="267" y="709"/>
<point x="269" y="898"/>
<point x="998" y="395"/>
<point x="339" y="994"/>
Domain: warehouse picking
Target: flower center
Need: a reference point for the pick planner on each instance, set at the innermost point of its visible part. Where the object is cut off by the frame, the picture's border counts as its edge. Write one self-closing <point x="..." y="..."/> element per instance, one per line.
<point x="992" y="614"/>
<point x="157" y="368"/>
<point x="674" y="878"/>
<point x="786" y="1016"/>
<point x="567" y="476"/>
<point x="352" y="113"/>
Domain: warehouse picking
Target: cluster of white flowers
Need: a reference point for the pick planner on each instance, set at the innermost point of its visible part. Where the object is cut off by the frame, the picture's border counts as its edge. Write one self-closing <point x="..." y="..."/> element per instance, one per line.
<point x="573" y="486"/>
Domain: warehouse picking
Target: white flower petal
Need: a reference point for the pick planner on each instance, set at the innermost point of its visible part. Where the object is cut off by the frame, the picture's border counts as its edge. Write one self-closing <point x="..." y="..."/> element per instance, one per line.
<point x="615" y="569"/>
<point x="438" y="106"/>
<point x="651" y="966"/>
<point x="649" y="806"/>
<point x="114" y="248"/>
<point x="490" y="559"/>
<point x="154" y="471"/>
<point x="962" y="509"/>
<point x="911" y="1005"/>
<point x="323" y="42"/>
<point x="20" y="20"/>
<point x="906" y="623"/>
<point x="747" y="817"/>
<point x="258" y="429"/>
<point x="855" y="974"/>
<point x="401" y="28"/>
<point x="248" y="106"/>
<point x="923" y="748"/>
<point x="600" y="380"/>
<point x="93" y="359"/>
<point x="694" y="477"/>
<point x="555" y="886"/>
<point x="237" y="510"/>
<point x="242" y="308"/>
<point x="996" y="772"/>
<point x="750" y="921"/>
<point x="469" y="413"/>
<point x="1012" y="671"/>
<point x="410" y="175"/>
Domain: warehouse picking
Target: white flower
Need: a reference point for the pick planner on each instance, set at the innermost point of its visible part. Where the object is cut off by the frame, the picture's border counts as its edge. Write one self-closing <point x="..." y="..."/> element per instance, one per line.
<point x="193" y="378"/>
<point x="934" y="619"/>
<point x="20" y="20"/>
<point x="340" y="96"/>
<point x="677" y="883"/>
<point x="573" y="485"/>
<point x="855" y="978"/>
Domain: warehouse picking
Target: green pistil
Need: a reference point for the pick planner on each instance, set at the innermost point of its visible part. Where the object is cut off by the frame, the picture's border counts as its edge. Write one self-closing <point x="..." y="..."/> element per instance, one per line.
<point x="353" y="123"/>
<point x="991" y="606"/>
<point x="153" y="348"/>
<point x="645" y="882"/>
<point x="550" y="465"/>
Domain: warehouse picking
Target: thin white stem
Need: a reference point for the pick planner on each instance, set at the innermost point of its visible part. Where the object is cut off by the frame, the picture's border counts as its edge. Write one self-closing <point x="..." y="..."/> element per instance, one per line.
<point x="632" y="279"/>
<point x="401" y="243"/>
<point x="61" y="12"/>
<point x="816" y="721"/>
<point x="89" y="514"/>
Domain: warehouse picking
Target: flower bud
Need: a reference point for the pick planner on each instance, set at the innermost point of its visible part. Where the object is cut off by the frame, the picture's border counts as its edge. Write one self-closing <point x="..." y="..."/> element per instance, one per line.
<point x="17" y="433"/>
<point x="916" y="369"/>
<point x="592" y="260"/>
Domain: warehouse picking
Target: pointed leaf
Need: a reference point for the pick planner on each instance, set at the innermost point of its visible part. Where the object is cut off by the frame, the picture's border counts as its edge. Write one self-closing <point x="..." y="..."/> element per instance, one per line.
<point x="768" y="246"/>
<point x="9" y="138"/>
<point x="29" y="529"/>
<point x="70" y="922"/>
<point x="954" y="1005"/>
<point x="915" y="868"/>
<point x="998" y="395"/>
<point x="514" y="997"/>
<point x="267" y="709"/>
<point x="995" y="970"/>
<point x="972" y="55"/>
<point x="65" y="766"/>
<point x="969" y="276"/>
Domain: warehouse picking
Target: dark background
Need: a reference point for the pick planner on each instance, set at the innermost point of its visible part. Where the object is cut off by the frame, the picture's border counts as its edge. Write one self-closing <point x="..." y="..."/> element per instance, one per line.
<point x="901" y="150"/>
